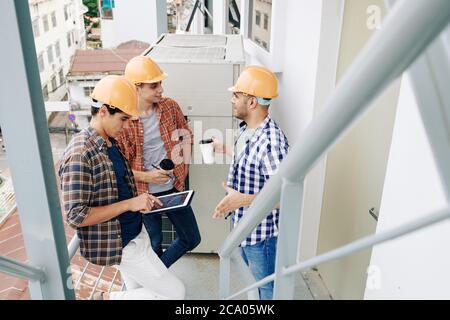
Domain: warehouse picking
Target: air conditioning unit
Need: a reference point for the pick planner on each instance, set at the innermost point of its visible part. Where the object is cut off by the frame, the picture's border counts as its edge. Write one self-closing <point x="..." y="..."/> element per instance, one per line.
<point x="201" y="68"/>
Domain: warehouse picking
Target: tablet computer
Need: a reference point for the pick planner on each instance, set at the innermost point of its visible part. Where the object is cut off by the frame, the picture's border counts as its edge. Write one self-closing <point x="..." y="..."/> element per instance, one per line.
<point x="174" y="201"/>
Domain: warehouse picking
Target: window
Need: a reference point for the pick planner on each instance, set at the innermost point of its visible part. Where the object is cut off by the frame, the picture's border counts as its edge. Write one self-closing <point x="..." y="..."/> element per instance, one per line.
<point x="260" y="31"/>
<point x="36" y="32"/>
<point x="266" y="21"/>
<point x="54" y="84"/>
<point x="69" y="41"/>
<point x="45" y="22"/>
<point x="45" y="92"/>
<point x="50" y="54"/>
<point x="66" y="12"/>
<point x="88" y="91"/>
<point x="41" y="62"/>
<point x="54" y="19"/>
<point x="265" y="43"/>
<point x="57" y="49"/>
<point x="234" y="17"/>
<point x="258" y="18"/>
<point x="62" y="79"/>
<point x="107" y="7"/>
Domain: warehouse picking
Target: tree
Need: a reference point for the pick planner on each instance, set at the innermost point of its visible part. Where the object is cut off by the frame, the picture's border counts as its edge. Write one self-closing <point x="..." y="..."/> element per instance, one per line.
<point x="92" y="6"/>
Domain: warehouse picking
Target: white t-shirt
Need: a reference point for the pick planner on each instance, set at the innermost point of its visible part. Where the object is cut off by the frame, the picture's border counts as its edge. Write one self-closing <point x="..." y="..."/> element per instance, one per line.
<point x="242" y="140"/>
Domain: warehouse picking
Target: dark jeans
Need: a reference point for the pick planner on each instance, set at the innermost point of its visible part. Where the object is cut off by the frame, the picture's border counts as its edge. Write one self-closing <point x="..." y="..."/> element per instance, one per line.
<point x="188" y="235"/>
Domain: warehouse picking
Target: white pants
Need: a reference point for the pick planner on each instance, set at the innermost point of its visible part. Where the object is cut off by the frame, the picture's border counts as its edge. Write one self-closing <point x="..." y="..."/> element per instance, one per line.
<point x="144" y="274"/>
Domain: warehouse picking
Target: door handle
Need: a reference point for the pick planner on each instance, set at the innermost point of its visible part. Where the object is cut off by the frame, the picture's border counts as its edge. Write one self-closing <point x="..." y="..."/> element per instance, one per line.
<point x="373" y="214"/>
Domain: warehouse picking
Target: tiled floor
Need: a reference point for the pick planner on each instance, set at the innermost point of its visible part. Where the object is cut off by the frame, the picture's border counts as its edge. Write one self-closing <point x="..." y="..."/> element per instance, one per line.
<point x="199" y="273"/>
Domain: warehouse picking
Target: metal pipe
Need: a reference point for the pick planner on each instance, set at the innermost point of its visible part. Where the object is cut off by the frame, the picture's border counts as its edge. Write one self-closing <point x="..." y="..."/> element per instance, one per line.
<point x="245" y="274"/>
<point x="407" y="31"/>
<point x="97" y="282"/>
<point x="357" y="246"/>
<point x="73" y="246"/>
<point x="21" y="270"/>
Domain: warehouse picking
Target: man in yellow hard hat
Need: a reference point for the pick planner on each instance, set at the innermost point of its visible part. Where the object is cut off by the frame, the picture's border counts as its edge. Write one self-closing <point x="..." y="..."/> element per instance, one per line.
<point x="160" y="132"/>
<point x="258" y="151"/>
<point x="101" y="202"/>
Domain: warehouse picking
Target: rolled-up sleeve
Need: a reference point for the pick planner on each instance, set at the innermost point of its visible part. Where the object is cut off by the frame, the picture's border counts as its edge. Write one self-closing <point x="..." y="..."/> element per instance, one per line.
<point x="185" y="133"/>
<point x="77" y="189"/>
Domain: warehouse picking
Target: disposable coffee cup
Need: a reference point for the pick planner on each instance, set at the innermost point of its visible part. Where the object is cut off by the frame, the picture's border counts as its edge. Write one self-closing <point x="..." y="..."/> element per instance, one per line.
<point x="207" y="149"/>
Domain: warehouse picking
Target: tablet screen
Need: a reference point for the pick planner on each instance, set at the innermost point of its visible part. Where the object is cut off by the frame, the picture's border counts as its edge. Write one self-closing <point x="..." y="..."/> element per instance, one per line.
<point x="173" y="200"/>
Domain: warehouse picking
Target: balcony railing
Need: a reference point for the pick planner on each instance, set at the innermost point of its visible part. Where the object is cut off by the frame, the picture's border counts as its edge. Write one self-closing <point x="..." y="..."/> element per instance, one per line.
<point x="408" y="31"/>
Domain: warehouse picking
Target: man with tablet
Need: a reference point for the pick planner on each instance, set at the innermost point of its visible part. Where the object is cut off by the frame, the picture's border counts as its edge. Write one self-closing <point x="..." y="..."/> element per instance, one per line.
<point x="101" y="201"/>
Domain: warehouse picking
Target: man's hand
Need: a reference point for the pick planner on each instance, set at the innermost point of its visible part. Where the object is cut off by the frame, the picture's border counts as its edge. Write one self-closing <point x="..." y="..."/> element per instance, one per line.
<point x="232" y="201"/>
<point x="144" y="203"/>
<point x="220" y="148"/>
<point x="158" y="176"/>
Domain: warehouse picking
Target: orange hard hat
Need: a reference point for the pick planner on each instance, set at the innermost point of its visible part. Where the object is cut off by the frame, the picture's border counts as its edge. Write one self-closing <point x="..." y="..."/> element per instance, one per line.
<point x="142" y="69"/>
<point x="117" y="92"/>
<point x="257" y="81"/>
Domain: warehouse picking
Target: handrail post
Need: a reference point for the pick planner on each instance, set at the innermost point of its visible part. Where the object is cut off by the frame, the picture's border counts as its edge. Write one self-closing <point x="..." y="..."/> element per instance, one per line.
<point x="24" y="125"/>
<point x="244" y="273"/>
<point x="288" y="238"/>
<point x="224" y="277"/>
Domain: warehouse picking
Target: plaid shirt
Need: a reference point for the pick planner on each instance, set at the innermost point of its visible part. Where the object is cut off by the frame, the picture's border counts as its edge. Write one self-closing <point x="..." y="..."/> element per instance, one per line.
<point x="251" y="169"/>
<point x="175" y="132"/>
<point x="88" y="180"/>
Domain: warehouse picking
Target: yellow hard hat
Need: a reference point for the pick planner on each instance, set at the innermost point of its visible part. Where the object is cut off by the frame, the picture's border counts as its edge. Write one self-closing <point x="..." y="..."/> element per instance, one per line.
<point x="258" y="82"/>
<point x="142" y="69"/>
<point x="117" y="92"/>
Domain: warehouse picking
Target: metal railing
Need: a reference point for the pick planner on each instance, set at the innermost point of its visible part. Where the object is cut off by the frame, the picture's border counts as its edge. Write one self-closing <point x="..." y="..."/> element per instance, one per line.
<point x="7" y="200"/>
<point x="73" y="247"/>
<point x="408" y="30"/>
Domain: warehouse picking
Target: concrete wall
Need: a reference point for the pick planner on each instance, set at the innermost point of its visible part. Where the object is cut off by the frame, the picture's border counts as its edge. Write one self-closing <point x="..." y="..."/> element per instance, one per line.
<point x="414" y="266"/>
<point x="142" y="20"/>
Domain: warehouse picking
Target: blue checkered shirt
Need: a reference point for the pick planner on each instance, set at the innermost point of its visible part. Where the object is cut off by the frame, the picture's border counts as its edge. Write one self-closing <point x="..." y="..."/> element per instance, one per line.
<point x="252" y="168"/>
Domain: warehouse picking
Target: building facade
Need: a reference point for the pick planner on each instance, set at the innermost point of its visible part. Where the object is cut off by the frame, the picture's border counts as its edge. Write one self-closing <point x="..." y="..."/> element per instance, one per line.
<point x="122" y="21"/>
<point x="58" y="28"/>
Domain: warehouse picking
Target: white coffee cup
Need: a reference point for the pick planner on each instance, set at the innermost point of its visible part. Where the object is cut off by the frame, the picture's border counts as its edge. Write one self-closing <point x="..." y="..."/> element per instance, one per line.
<point x="207" y="149"/>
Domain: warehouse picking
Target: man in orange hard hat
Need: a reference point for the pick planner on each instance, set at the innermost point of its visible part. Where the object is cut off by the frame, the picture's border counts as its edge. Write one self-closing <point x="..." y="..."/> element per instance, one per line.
<point x="101" y="202"/>
<point x="258" y="151"/>
<point x="158" y="133"/>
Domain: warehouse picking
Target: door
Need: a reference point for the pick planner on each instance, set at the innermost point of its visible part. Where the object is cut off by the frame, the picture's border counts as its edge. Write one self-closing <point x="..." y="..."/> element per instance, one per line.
<point x="355" y="169"/>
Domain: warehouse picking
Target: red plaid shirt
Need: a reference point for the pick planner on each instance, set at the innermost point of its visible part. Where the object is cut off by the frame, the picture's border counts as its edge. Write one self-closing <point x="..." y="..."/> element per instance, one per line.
<point x="175" y="133"/>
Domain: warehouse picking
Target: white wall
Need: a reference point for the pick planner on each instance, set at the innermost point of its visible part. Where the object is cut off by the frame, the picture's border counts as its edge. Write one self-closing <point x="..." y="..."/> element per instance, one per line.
<point x="74" y="23"/>
<point x="142" y="20"/>
<point x="295" y="107"/>
<point x="415" y="266"/>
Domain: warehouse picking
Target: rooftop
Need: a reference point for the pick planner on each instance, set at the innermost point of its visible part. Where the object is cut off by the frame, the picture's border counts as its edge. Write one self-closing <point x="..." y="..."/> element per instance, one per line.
<point x="103" y="61"/>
